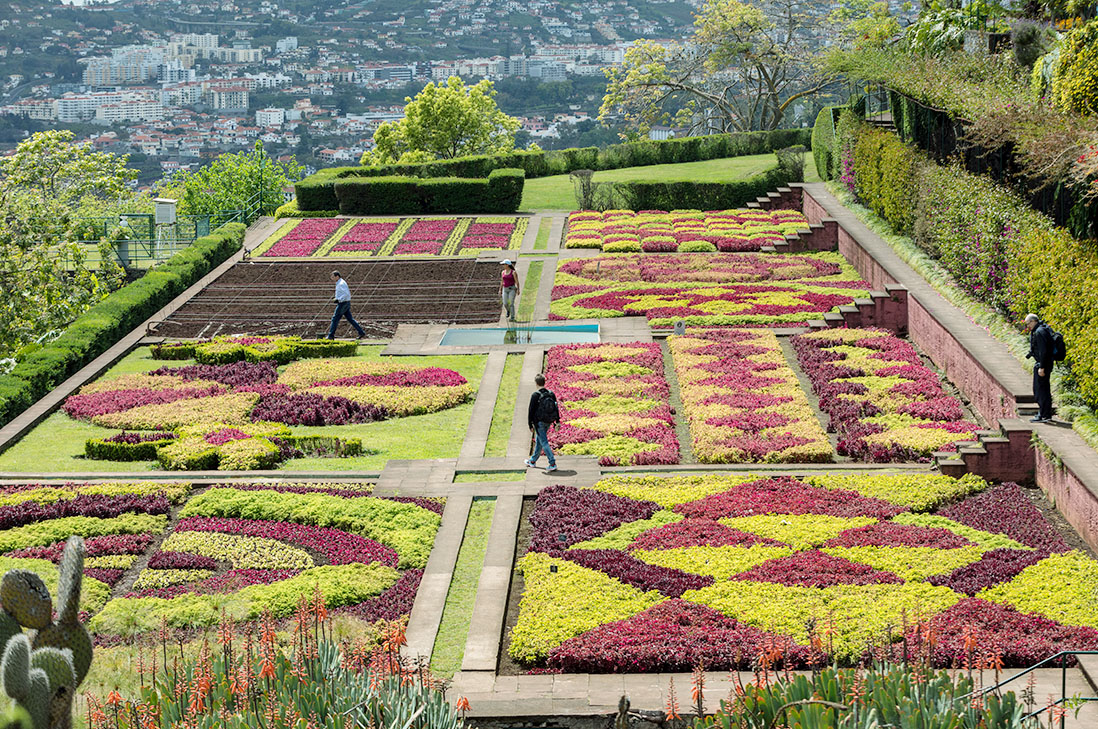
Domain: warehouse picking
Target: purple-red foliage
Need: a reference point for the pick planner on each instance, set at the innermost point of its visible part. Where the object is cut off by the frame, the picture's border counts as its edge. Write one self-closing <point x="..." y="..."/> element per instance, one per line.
<point x="310" y="408"/>
<point x="134" y="438"/>
<point x="94" y="546"/>
<point x="234" y="374"/>
<point x="430" y="503"/>
<point x="891" y="534"/>
<point x="697" y="533"/>
<point x="816" y="569"/>
<point x="230" y="581"/>
<point x="96" y="505"/>
<point x="181" y="561"/>
<point x="630" y="570"/>
<point x="1004" y="509"/>
<point x="85" y="407"/>
<point x="997" y="565"/>
<point x="785" y="495"/>
<point x="391" y="604"/>
<point x="108" y="576"/>
<point x="565" y="515"/>
<point x="1016" y="638"/>
<point x="673" y="636"/>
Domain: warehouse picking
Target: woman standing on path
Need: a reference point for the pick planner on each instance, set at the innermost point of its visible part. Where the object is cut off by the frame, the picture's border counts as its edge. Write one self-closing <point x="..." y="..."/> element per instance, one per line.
<point x="508" y="287"/>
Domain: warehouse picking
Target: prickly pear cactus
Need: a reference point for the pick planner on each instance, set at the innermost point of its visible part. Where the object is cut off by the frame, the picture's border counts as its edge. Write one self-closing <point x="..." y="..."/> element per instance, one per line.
<point x="42" y="677"/>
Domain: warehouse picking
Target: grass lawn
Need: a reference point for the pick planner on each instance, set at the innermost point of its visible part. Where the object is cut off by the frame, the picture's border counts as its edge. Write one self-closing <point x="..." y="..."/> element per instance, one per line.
<point x="555" y="193"/>
<point x="500" y="432"/>
<point x="542" y="242"/>
<point x="450" y="642"/>
<point x="530" y="291"/>
<point x="57" y="444"/>
<point x="486" y="476"/>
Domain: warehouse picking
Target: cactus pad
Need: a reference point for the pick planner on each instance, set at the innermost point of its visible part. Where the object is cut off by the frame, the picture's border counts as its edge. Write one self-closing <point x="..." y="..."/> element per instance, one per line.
<point x="73" y="637"/>
<point x="25" y="597"/>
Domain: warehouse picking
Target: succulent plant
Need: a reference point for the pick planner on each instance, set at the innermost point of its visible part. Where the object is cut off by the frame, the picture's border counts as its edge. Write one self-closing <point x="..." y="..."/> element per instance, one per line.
<point x="42" y="677"/>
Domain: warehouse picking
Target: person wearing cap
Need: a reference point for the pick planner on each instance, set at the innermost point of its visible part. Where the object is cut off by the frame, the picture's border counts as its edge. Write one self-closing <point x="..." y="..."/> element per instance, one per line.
<point x="508" y="287"/>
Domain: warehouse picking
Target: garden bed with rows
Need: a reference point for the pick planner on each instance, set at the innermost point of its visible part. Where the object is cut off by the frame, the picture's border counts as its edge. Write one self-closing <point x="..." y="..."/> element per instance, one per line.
<point x="243" y="549"/>
<point x="358" y="238"/>
<point x="715" y="289"/>
<point x="661" y="574"/>
<point x="683" y="231"/>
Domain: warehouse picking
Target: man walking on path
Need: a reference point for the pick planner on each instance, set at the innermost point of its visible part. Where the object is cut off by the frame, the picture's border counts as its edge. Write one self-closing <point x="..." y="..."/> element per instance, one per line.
<point x="542" y="413"/>
<point x="1041" y="350"/>
<point x="342" y="301"/>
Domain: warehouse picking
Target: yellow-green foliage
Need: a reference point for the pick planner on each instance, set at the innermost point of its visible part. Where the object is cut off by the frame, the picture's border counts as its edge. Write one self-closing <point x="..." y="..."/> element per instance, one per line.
<point x="886" y="178"/>
<point x="57" y="530"/>
<point x="624" y="535"/>
<point x="406" y="528"/>
<point x="800" y="531"/>
<point x="670" y="491"/>
<point x="561" y="605"/>
<point x="917" y="491"/>
<point x="717" y="562"/>
<point x="92" y="597"/>
<point x="982" y="539"/>
<point x="344" y="584"/>
<point x="847" y="617"/>
<point x="174" y="491"/>
<point x="913" y="564"/>
<point x="1075" y="81"/>
<point x="1061" y="587"/>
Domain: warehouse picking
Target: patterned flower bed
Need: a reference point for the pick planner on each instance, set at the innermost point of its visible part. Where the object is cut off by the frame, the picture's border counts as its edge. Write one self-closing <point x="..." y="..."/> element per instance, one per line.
<point x="721" y="289"/>
<point x="402" y="237"/>
<point x="614" y="403"/>
<point x="300" y="238"/>
<point x="656" y="231"/>
<point x="743" y="401"/>
<point x="661" y="573"/>
<point x="883" y="402"/>
<point x="236" y="416"/>
<point x="244" y="549"/>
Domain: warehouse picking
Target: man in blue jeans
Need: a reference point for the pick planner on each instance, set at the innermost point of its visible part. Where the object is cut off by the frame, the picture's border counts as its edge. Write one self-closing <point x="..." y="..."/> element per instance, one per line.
<point x="343" y="307"/>
<point x="542" y="413"/>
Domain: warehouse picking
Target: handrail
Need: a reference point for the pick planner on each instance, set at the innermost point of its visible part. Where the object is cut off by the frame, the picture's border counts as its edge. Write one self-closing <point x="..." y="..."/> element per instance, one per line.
<point x="1063" y="684"/>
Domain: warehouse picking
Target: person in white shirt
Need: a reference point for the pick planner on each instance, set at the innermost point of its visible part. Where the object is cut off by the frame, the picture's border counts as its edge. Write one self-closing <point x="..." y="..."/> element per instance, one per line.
<point x="342" y="301"/>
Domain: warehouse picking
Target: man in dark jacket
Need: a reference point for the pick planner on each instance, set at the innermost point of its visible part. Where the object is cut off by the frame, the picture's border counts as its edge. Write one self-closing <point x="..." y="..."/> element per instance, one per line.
<point x="1040" y="350"/>
<point x="540" y="416"/>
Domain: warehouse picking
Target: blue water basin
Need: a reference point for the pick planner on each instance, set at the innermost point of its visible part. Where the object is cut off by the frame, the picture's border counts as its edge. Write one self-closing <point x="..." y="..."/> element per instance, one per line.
<point x="566" y="334"/>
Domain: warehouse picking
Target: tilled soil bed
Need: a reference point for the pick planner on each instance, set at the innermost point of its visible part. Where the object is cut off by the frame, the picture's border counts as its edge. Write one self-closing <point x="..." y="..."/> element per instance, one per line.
<point x="296" y="298"/>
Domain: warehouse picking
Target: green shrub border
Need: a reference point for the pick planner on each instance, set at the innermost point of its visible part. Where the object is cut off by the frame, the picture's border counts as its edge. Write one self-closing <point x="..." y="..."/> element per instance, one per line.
<point x="698" y="195"/>
<point x="97" y="329"/>
<point x="499" y="192"/>
<point x="317" y="191"/>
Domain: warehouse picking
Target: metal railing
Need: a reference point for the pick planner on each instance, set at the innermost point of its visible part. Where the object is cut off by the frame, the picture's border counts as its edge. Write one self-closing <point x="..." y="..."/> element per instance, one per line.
<point x="1064" y="698"/>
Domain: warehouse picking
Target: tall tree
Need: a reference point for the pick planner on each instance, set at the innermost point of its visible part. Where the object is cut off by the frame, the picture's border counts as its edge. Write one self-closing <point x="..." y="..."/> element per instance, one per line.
<point x="743" y="68"/>
<point x="235" y="181"/>
<point x="50" y="164"/>
<point x="445" y="121"/>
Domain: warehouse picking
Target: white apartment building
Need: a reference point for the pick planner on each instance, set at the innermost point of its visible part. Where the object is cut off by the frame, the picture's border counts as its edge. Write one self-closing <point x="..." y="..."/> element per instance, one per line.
<point x="41" y="109"/>
<point x="266" y="118"/>
<point x="138" y="108"/>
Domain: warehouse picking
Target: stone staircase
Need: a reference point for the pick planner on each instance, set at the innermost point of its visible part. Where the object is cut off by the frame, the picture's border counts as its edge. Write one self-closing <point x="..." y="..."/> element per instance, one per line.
<point x="1002" y="455"/>
<point x="822" y="236"/>
<point x="885" y="309"/>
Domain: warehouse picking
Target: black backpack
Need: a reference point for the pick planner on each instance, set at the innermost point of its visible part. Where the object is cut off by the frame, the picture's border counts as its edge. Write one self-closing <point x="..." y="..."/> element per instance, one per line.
<point x="547" y="411"/>
<point x="1059" y="348"/>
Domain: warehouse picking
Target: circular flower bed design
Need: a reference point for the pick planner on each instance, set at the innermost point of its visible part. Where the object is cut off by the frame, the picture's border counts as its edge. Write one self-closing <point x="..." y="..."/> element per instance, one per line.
<point x="235" y="416"/>
<point x="663" y="573"/>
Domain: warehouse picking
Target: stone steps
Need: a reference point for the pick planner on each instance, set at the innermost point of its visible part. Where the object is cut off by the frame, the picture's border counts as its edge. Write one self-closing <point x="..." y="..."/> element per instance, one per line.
<point x="997" y="455"/>
<point x="885" y="309"/>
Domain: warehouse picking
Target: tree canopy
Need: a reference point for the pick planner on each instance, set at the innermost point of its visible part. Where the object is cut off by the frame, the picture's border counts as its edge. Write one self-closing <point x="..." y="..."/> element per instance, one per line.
<point x="741" y="70"/>
<point x="445" y="121"/>
<point x="232" y="182"/>
<point x="49" y="164"/>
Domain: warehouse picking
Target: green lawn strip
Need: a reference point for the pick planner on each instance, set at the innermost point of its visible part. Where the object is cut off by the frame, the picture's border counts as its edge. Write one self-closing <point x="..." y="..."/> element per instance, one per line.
<point x="57" y="444"/>
<point x="556" y="193"/>
<point x="449" y="646"/>
<point x="530" y="291"/>
<point x="482" y="476"/>
<point x="500" y="432"/>
<point x="542" y="242"/>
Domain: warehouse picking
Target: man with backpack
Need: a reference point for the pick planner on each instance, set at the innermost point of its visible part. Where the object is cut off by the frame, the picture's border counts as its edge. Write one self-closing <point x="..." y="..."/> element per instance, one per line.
<point x="542" y="413"/>
<point x="1045" y="348"/>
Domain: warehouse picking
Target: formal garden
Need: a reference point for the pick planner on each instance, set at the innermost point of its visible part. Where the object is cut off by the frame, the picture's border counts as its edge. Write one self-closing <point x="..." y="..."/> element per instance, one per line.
<point x="797" y="481"/>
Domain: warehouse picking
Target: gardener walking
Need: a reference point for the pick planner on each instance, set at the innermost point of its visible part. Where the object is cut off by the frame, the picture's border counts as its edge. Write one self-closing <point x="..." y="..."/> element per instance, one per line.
<point x="542" y="413"/>
<point x="342" y="301"/>
<point x="508" y="287"/>
<point x="1044" y="350"/>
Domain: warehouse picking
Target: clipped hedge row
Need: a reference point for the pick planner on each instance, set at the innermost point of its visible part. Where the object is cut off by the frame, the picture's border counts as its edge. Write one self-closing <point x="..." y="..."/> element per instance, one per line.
<point x="101" y="326"/>
<point x="823" y="142"/>
<point x="499" y="192"/>
<point x="995" y="246"/>
<point x="317" y="192"/>
<point x="699" y="195"/>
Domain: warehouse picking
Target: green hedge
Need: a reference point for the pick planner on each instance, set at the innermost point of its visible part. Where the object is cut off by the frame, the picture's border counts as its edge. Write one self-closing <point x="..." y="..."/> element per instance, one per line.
<point x="317" y="192"/>
<point x="995" y="246"/>
<point x="698" y="195"/>
<point x="101" y="326"/>
<point x="823" y="143"/>
<point x="499" y="192"/>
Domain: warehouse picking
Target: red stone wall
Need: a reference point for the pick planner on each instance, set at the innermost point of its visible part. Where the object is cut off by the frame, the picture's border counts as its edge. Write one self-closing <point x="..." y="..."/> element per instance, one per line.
<point x="1071" y="497"/>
